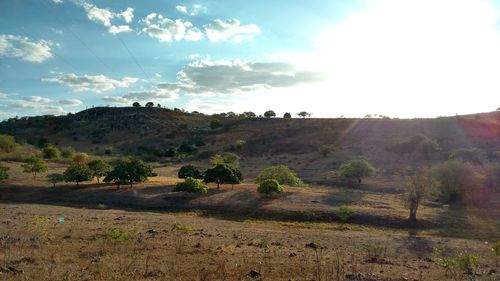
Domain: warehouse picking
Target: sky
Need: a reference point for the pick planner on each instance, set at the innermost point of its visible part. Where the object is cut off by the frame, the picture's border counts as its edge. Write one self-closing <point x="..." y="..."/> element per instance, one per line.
<point x="397" y="58"/>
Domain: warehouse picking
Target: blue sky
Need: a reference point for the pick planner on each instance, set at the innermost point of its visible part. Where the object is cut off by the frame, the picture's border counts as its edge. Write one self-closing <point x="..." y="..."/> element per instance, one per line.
<point x="332" y="58"/>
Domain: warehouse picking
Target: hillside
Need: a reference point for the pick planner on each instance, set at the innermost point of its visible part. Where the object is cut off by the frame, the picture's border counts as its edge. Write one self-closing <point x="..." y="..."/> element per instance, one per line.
<point x="152" y="132"/>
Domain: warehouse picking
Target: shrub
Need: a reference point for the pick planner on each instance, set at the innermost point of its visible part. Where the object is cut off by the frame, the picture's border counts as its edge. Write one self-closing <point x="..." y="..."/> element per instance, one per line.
<point x="427" y="147"/>
<point x="34" y="165"/>
<point x="345" y="213"/>
<point x="214" y="124"/>
<point x="55" y="178"/>
<point x="7" y="143"/>
<point x="171" y="152"/>
<point x="204" y="154"/>
<point x="413" y="193"/>
<point x="222" y="174"/>
<point x="189" y="171"/>
<point x="50" y="152"/>
<point x="77" y="173"/>
<point x="357" y="168"/>
<point x="270" y="186"/>
<point x="324" y="150"/>
<point x="187" y="148"/>
<point x="470" y="155"/>
<point x="228" y="158"/>
<point x="191" y="185"/>
<point x="118" y="234"/>
<point x="3" y="172"/>
<point x="281" y="173"/>
<point x="67" y="152"/>
<point x="80" y="158"/>
<point x="455" y="179"/>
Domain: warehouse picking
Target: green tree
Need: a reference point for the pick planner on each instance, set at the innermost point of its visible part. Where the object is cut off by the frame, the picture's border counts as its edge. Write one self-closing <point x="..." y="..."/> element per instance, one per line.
<point x="189" y="171"/>
<point x="77" y="173"/>
<point x="99" y="168"/>
<point x="130" y="171"/>
<point x="80" y="158"/>
<point x="229" y="158"/>
<point x="249" y="114"/>
<point x="304" y="114"/>
<point x="223" y="174"/>
<point x="455" y="180"/>
<point x="55" y="178"/>
<point x="281" y="173"/>
<point x="67" y="152"/>
<point x="50" y="152"/>
<point x="7" y="143"/>
<point x="287" y="115"/>
<point x="214" y="124"/>
<point x="34" y="165"/>
<point x="191" y="185"/>
<point x="3" y="172"/>
<point x="269" y="114"/>
<point x="270" y="186"/>
<point x="357" y="168"/>
<point x="136" y="104"/>
<point x="150" y="104"/>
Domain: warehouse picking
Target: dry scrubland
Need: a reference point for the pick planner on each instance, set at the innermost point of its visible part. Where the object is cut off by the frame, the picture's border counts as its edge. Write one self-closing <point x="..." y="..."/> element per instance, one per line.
<point x="150" y="232"/>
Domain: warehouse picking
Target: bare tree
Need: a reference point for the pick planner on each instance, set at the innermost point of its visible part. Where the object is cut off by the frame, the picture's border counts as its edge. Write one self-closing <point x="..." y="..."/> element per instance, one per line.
<point x="414" y="191"/>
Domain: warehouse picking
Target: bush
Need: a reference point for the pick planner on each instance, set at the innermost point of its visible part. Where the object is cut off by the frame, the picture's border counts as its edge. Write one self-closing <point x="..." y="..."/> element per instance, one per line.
<point x="191" y="185"/>
<point x="357" y="168"/>
<point x="7" y="143"/>
<point x="187" y="148"/>
<point x="50" y="152"/>
<point x="3" y="172"/>
<point x="281" y="173"/>
<point x="345" y="213"/>
<point x="214" y="124"/>
<point x="189" y="171"/>
<point x="67" y="152"/>
<point x="470" y="155"/>
<point x="55" y="178"/>
<point x="324" y="150"/>
<point x="270" y="186"/>
<point x="427" y="147"/>
<point x="455" y="179"/>
<point x="80" y="158"/>
<point x="228" y="158"/>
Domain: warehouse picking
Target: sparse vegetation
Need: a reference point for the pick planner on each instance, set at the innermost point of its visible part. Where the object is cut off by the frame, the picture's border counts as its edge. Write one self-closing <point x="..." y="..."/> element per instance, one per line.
<point x="270" y="186"/>
<point x="281" y="173"/>
<point x="191" y="185"/>
<point x="34" y="165"/>
<point x="357" y="168"/>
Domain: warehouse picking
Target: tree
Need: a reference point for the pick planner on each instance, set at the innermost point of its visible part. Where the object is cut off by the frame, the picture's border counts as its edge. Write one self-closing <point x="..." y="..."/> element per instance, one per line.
<point x="150" y="104"/>
<point x="269" y="114"/>
<point x="249" y="114"/>
<point x="223" y="174"/>
<point x="191" y="185"/>
<point x="80" y="158"/>
<point x="130" y="171"/>
<point x="3" y="172"/>
<point x="136" y="104"/>
<point x="470" y="155"/>
<point x="214" y="124"/>
<point x="357" y="168"/>
<point x="55" y="178"/>
<point x="427" y="147"/>
<point x="281" y="173"/>
<point x="304" y="114"/>
<point x="229" y="158"/>
<point x="414" y="191"/>
<point x="324" y="150"/>
<point x="7" y="143"/>
<point x="99" y="168"/>
<point x="67" y="152"/>
<point x="455" y="180"/>
<point x="270" y="186"/>
<point x="77" y="173"/>
<point x="34" y="165"/>
<point x="51" y="152"/>
<point x="189" y="171"/>
<point x="287" y="115"/>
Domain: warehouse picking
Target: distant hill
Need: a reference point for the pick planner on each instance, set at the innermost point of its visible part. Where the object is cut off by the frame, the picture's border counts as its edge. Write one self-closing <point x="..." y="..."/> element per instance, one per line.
<point x="152" y="132"/>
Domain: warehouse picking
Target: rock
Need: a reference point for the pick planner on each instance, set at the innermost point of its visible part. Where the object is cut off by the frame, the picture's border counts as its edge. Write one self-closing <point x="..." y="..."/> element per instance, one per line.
<point x="492" y="271"/>
<point x="253" y="274"/>
<point x="293" y="255"/>
<point x="152" y="231"/>
<point x="197" y="245"/>
<point x="312" y="245"/>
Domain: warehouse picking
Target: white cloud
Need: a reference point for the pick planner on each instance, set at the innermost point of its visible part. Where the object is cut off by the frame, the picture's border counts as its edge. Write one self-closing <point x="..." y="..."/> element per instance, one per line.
<point x="116" y="99"/>
<point x="71" y="102"/>
<point x="105" y="16"/>
<point x="167" y="30"/>
<point x="56" y="31"/>
<point x="57" y="1"/>
<point x="12" y="46"/>
<point x="157" y="95"/>
<point x="235" y="77"/>
<point x="5" y="115"/>
<point x="36" y="99"/>
<point x="94" y="83"/>
<point x="230" y="29"/>
<point x="182" y="9"/>
<point x="3" y="95"/>
<point x="53" y="110"/>
<point x="127" y="15"/>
